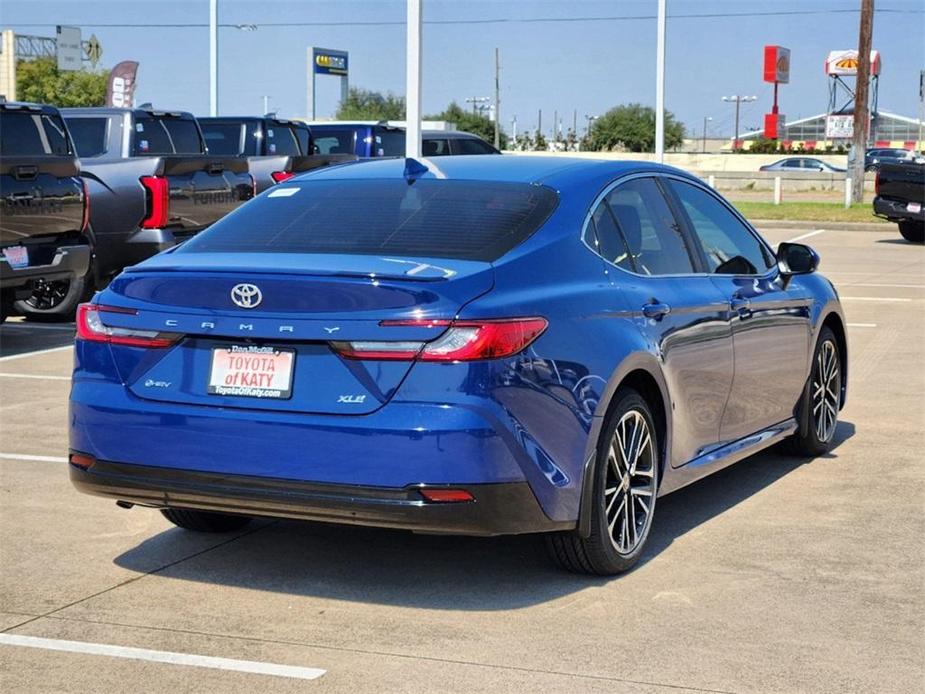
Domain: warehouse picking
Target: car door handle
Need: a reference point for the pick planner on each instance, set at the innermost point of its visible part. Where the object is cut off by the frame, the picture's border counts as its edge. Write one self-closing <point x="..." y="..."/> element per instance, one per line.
<point x="741" y="305"/>
<point x="655" y="310"/>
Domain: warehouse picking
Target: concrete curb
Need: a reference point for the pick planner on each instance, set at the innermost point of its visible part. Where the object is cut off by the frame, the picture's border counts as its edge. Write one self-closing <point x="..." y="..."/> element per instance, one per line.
<point x="841" y="226"/>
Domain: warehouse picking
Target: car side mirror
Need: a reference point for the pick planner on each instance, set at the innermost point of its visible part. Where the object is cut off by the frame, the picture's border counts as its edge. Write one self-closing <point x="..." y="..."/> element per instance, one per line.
<point x="796" y="259"/>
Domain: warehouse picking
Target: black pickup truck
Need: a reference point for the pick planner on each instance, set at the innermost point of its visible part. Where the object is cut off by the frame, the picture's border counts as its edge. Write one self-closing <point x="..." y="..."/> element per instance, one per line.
<point x="900" y="189"/>
<point x="43" y="203"/>
<point x="152" y="184"/>
<point x="275" y="148"/>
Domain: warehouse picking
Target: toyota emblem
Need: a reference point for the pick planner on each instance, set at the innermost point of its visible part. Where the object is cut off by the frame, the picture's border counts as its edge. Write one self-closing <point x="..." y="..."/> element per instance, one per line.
<point x="246" y="295"/>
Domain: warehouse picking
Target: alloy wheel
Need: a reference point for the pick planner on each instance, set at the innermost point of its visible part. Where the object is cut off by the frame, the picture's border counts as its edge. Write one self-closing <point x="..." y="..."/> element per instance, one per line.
<point x="826" y="385"/>
<point x="629" y="485"/>
<point x="48" y="295"/>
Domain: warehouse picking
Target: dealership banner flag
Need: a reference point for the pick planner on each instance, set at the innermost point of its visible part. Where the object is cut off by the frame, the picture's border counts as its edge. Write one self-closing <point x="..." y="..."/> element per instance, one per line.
<point x="120" y="91"/>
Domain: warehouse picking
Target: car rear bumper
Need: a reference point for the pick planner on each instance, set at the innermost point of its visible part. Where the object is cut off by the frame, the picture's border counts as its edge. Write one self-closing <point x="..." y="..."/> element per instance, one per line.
<point x="496" y="509"/>
<point x="896" y="210"/>
<point x="68" y="262"/>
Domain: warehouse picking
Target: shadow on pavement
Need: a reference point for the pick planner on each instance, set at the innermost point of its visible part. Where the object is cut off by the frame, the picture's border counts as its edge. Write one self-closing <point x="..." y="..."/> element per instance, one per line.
<point x="442" y="572"/>
<point x="20" y="337"/>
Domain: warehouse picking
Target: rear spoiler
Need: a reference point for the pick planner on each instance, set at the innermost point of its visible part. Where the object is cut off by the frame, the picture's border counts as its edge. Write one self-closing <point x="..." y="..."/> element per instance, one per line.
<point x="190" y="163"/>
<point x="25" y="167"/>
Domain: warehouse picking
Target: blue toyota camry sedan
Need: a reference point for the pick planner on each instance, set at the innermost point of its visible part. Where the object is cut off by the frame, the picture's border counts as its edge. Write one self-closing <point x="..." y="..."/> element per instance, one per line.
<point x="479" y="346"/>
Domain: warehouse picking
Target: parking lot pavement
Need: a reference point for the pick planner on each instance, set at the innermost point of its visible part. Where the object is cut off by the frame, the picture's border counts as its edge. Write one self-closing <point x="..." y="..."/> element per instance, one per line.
<point x="774" y="575"/>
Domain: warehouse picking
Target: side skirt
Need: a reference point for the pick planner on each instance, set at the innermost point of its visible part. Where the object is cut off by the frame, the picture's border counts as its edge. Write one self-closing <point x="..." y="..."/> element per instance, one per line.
<point x="722" y="457"/>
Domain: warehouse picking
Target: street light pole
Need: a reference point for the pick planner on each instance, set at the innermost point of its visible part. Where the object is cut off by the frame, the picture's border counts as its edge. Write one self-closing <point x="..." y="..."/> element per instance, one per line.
<point x="497" y="98"/>
<point x="213" y="58"/>
<point x="705" y="120"/>
<point x="266" y="104"/>
<point x="738" y="101"/>
<point x="413" y="82"/>
<point x="660" y="85"/>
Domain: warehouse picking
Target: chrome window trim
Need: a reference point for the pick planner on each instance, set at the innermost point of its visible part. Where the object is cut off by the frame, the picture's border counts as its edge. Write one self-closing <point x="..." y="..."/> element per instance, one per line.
<point x="770" y="274"/>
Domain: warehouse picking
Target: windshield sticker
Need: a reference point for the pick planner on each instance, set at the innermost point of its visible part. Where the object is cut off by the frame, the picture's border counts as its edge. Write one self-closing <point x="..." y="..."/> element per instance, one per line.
<point x="139" y="127"/>
<point x="143" y="145"/>
<point x="269" y="132"/>
<point x="283" y="192"/>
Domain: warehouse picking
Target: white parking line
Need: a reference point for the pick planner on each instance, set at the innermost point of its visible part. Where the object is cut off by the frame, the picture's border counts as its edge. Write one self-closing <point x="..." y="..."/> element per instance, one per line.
<point x="35" y="376"/>
<point x="23" y="355"/>
<point x="34" y="458"/>
<point x="861" y="325"/>
<point x="252" y="666"/>
<point x="806" y="236"/>
<point x="874" y="284"/>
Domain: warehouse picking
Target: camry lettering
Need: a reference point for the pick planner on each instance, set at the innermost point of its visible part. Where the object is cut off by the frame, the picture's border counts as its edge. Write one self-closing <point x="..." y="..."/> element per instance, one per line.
<point x="246" y="326"/>
<point x="285" y="328"/>
<point x="171" y="323"/>
<point x="207" y="324"/>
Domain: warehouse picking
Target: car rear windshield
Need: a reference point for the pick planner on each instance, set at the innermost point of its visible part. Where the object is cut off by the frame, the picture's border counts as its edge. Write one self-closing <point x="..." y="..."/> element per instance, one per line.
<point x="32" y="134"/>
<point x="156" y="135"/>
<point x="223" y="139"/>
<point x="89" y="135"/>
<point x="466" y="220"/>
<point x="334" y="141"/>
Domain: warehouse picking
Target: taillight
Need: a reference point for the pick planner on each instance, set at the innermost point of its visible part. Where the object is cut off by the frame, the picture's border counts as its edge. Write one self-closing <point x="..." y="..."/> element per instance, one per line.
<point x="85" y="222"/>
<point x="157" y="193"/>
<point x="463" y="340"/>
<point x="280" y="176"/>
<point x="447" y="496"/>
<point x="90" y="327"/>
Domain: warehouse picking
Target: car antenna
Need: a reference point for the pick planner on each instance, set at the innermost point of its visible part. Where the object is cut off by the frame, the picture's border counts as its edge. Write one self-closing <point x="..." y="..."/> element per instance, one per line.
<point x="414" y="170"/>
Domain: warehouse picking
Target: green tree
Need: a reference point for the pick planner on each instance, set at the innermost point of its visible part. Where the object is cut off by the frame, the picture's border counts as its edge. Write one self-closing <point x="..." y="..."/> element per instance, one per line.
<point x="40" y="81"/>
<point x="632" y="126"/>
<point x="469" y="122"/>
<point x="365" y="104"/>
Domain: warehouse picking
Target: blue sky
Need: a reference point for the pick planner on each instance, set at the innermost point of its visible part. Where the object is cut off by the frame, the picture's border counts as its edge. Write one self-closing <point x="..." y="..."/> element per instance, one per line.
<point x="554" y="66"/>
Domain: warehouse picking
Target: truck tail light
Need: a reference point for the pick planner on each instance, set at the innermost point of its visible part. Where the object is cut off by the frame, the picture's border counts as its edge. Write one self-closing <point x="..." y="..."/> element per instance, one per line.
<point x="157" y="195"/>
<point x="280" y="176"/>
<point x="463" y="340"/>
<point x="91" y="328"/>
<point x="85" y="222"/>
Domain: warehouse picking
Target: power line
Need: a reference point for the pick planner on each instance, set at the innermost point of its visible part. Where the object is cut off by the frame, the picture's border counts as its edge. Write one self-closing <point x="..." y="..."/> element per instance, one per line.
<point x="497" y="20"/>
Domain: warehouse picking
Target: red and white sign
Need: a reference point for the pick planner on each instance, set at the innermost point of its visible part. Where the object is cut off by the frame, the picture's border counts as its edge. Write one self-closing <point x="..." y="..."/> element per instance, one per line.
<point x="776" y="64"/>
<point x="251" y="371"/>
<point x="845" y="63"/>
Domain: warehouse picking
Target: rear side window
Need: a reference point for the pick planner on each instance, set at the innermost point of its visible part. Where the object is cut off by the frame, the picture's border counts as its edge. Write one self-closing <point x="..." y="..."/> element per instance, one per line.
<point x="473" y="146"/>
<point x="166" y="136"/>
<point x="335" y="142"/>
<point x="652" y="235"/>
<point x="466" y="220"/>
<point x="223" y="139"/>
<point x="89" y="135"/>
<point x="435" y="148"/>
<point x="25" y="133"/>
<point x="304" y="138"/>
<point x="281" y="140"/>
<point x="389" y="143"/>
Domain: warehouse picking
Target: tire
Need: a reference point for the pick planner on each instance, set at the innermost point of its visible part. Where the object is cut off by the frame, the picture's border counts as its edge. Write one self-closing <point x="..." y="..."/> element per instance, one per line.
<point x="55" y="301"/>
<point x="617" y="538"/>
<point x="914" y="232"/>
<point x="814" y="438"/>
<point x="204" y="521"/>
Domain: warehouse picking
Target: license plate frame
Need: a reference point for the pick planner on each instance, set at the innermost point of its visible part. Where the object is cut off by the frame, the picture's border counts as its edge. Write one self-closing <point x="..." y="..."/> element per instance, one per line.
<point x="251" y="371"/>
<point x="914" y="207"/>
<point x="16" y="256"/>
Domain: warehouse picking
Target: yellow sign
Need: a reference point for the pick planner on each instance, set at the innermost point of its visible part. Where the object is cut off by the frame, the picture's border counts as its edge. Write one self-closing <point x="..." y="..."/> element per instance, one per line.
<point x="94" y="50"/>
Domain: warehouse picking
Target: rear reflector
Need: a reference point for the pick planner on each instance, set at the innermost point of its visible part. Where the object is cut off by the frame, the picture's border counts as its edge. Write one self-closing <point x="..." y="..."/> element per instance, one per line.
<point x="85" y="222"/>
<point x="280" y="176"/>
<point x="463" y="340"/>
<point x="158" y="202"/>
<point x="447" y="496"/>
<point x="91" y="328"/>
<point x="82" y="461"/>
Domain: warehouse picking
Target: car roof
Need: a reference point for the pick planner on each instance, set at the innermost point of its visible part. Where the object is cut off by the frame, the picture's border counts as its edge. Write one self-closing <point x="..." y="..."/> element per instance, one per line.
<point x="116" y="111"/>
<point x="548" y="170"/>
<point x="28" y="106"/>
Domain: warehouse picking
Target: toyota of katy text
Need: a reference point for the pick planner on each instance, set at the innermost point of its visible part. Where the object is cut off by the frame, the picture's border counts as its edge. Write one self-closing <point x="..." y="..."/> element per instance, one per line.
<point x="498" y="345"/>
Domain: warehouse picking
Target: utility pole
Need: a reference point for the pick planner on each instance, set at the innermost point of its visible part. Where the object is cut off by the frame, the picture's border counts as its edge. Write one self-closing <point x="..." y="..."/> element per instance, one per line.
<point x="497" y="98"/>
<point x="861" y="91"/>
<point x="266" y="104"/>
<point x="575" y="122"/>
<point x="555" y="126"/>
<point x="213" y="58"/>
<point x="539" y="122"/>
<point x="413" y="82"/>
<point x="738" y="101"/>
<point x="477" y="102"/>
<point x="660" y="85"/>
<point x="705" y="120"/>
<point x="514" y="128"/>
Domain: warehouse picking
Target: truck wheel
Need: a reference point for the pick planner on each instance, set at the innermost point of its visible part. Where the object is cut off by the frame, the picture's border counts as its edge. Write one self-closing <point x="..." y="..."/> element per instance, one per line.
<point x="55" y="301"/>
<point x="913" y="232"/>
<point x="204" y="521"/>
